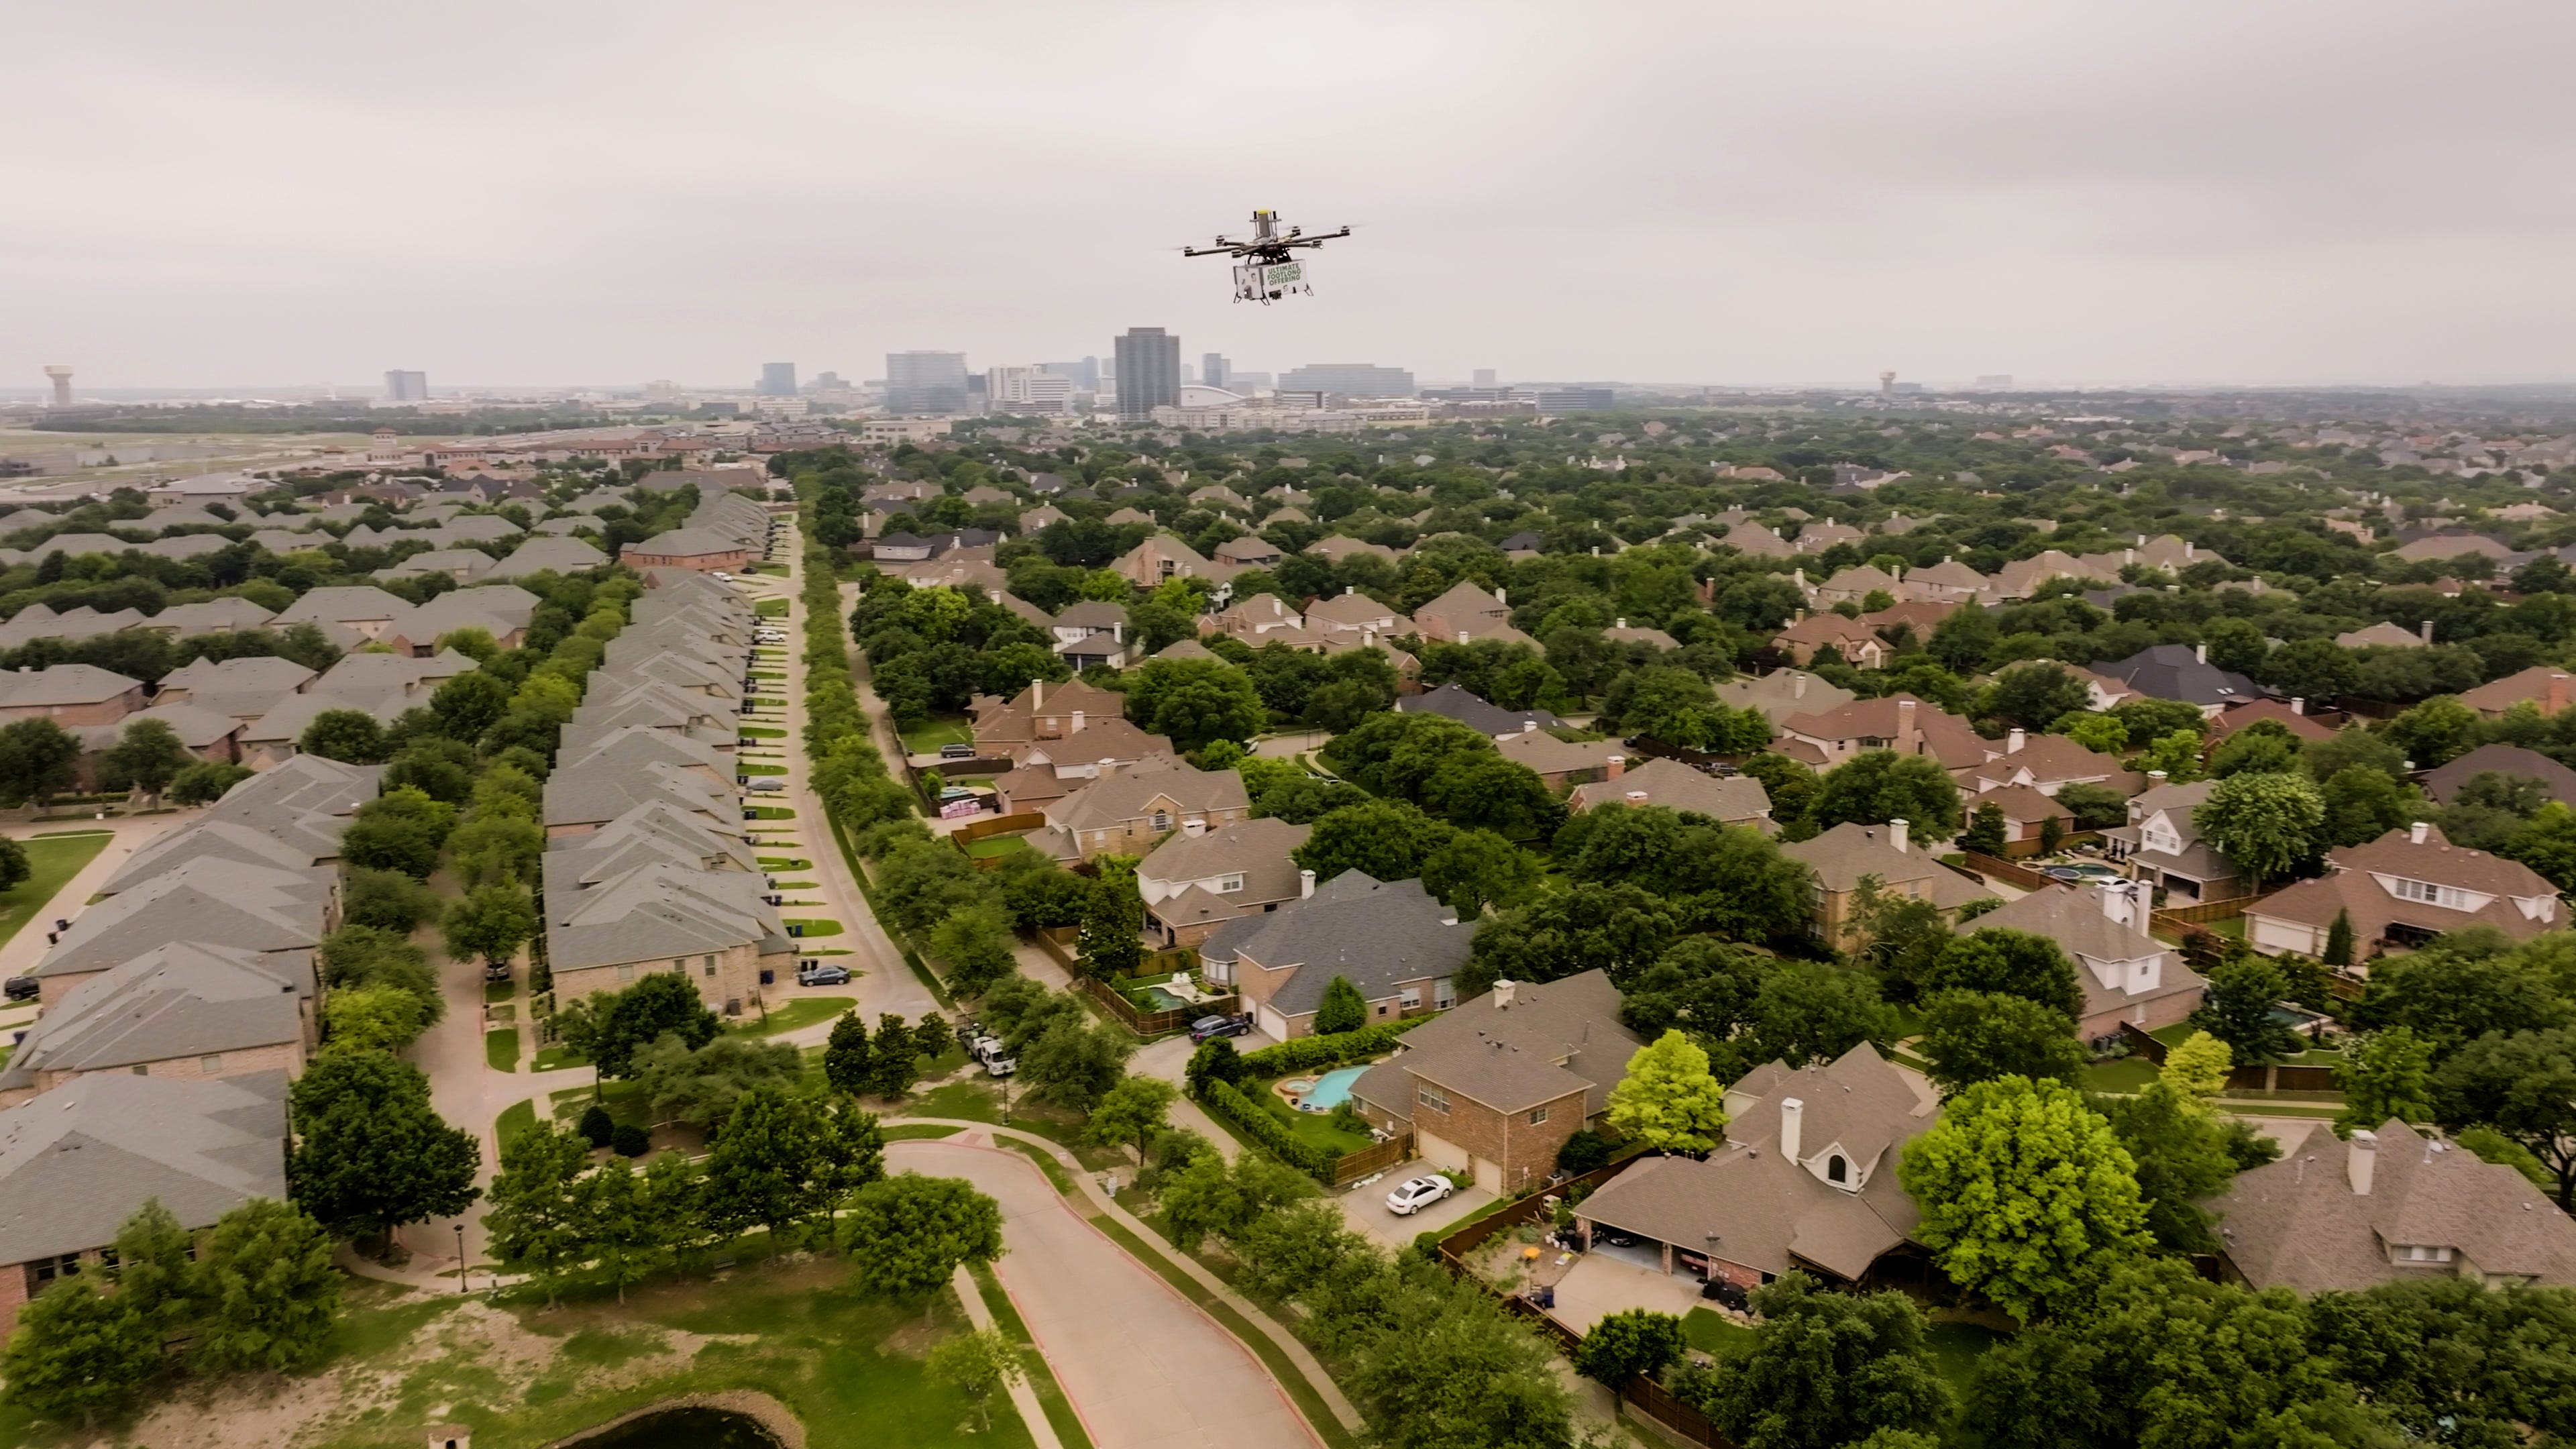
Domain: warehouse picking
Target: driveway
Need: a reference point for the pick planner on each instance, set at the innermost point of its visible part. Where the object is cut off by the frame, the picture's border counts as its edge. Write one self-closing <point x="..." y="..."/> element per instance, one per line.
<point x="1366" y="1209"/>
<point x="1142" y="1366"/>
<point x="1600" y="1283"/>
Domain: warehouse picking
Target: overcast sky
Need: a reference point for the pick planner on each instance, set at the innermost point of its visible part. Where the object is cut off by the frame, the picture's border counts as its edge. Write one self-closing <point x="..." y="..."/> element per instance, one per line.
<point x="556" y="191"/>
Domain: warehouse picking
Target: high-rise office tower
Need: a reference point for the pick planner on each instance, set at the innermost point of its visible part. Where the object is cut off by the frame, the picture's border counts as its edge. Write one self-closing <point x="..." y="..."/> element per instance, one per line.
<point x="1214" y="369"/>
<point x="925" y="382"/>
<point x="407" y="387"/>
<point x="1354" y="379"/>
<point x="777" y="379"/>
<point x="1484" y="377"/>
<point x="1026" y="390"/>
<point x="1085" y="374"/>
<point x="1149" y="371"/>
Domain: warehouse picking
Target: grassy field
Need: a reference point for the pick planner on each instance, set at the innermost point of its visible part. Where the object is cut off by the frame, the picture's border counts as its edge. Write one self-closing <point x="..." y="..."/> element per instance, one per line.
<point x="770" y="609"/>
<point x="556" y="1058"/>
<point x="1956" y="1347"/>
<point x="52" y="860"/>
<point x="926" y="739"/>
<point x="815" y="926"/>
<point x="2128" y="1074"/>
<point x="515" y="1117"/>
<point x="755" y="767"/>
<point x="802" y="1011"/>
<point x="768" y="812"/>
<point x="759" y="732"/>
<point x="1715" y="1334"/>
<point x="920" y="1131"/>
<point x="994" y="847"/>
<point x="1069" y="1430"/>
<point x="501" y="1049"/>
<point x="784" y="862"/>
<point x="1314" y="1127"/>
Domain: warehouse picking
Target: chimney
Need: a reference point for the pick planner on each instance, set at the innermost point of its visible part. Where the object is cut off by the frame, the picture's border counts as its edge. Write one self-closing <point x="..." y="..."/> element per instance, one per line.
<point x="1503" y="996"/>
<point x="2557" y="694"/>
<point x="1636" y="797"/>
<point x="1797" y="685"/>
<point x="1501" y="596"/>
<point x="2158" y="776"/>
<point x="2189" y="551"/>
<point x="1800" y="574"/>
<point x="1117" y="632"/>
<point x="2358" y="1162"/>
<point x="1077" y="721"/>
<point x="2299" y="706"/>
<point x="1462" y="636"/>
<point x="1622" y="624"/>
<point x="1105" y="767"/>
<point x="1613" y="767"/>
<point x="2128" y="555"/>
<point x="1896" y="833"/>
<point x="1528" y="725"/>
<point x="2200" y="652"/>
<point x="2416" y="832"/>
<point x="2142" y="540"/>
<point x="1037" y="693"/>
<point x="1305" y="884"/>
<point x="2427" y="631"/>
<point x="1791" y="1111"/>
<point x="2014" y="741"/>
<point x="1797" y="616"/>
<point x="2142" y="911"/>
<point x="1905" y="731"/>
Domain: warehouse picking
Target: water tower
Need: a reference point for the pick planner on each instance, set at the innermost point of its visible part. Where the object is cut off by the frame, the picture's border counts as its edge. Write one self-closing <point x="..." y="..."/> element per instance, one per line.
<point x="61" y="373"/>
<point x="1887" y="382"/>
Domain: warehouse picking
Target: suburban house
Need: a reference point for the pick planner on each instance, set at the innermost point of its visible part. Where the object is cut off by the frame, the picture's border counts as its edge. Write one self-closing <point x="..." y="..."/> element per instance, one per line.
<point x="1163" y="557"/>
<point x="2126" y="973"/>
<point x="2544" y="687"/>
<point x="2386" y="636"/>
<point x="1898" y="722"/>
<point x="1393" y="941"/>
<point x="2512" y="760"/>
<point x="713" y="927"/>
<point x="1495" y="1091"/>
<point x="77" y="1163"/>
<point x="1194" y="883"/>
<point x="213" y="616"/>
<point x="2162" y="846"/>
<point x="1466" y="614"/>
<point x="1559" y="763"/>
<point x="1946" y="582"/>
<point x="1843" y="857"/>
<point x="1356" y="615"/>
<point x="1620" y="632"/>
<point x="244" y="688"/>
<point x="1048" y="770"/>
<point x="1454" y="702"/>
<point x="1042" y="711"/>
<point x="69" y="695"/>
<point x="1733" y="799"/>
<point x="360" y="608"/>
<point x="1090" y="633"/>
<point x="2292" y="716"/>
<point x="202" y="733"/>
<point x="2388" y="1206"/>
<point x="2400" y="891"/>
<point x="2026" y="812"/>
<point x="278" y="914"/>
<point x="1805" y="1182"/>
<point x="181" y="1010"/>
<point x="1125" y="812"/>
<point x="2181" y="672"/>
<point x="689" y="547"/>
<point x="1857" y="643"/>
<point x="2046" y="763"/>
<point x="1263" y="619"/>
<point x="1251" y="551"/>
<point x="1783" y="693"/>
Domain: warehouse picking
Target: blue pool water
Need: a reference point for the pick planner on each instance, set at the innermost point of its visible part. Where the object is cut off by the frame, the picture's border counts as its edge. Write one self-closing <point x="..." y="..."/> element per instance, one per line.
<point x="1332" y="1089"/>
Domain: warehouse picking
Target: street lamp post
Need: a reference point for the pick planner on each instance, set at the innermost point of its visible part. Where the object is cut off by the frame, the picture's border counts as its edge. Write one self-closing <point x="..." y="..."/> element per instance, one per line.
<point x="460" y="1257"/>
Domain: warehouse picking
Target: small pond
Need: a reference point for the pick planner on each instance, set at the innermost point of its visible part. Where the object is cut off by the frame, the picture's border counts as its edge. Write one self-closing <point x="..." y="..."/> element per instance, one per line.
<point x="690" y="1428"/>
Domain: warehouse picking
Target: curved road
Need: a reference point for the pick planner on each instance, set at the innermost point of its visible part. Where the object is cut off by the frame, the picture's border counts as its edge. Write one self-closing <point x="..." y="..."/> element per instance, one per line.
<point x="1144" y="1368"/>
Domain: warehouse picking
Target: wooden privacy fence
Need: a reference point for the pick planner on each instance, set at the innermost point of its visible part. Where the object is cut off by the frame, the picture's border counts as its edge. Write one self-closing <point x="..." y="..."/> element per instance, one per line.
<point x="1654" y="1401"/>
<point x="1352" y="1166"/>
<point x="1151" y="1023"/>
<point x="1455" y="1247"/>
<point x="2029" y="845"/>
<point x="2273" y="1078"/>
<point x="2192" y="915"/>
<point x="975" y="830"/>
<point x="1997" y="868"/>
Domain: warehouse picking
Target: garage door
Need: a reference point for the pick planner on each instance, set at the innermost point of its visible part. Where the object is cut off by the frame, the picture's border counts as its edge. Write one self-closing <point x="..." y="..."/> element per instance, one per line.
<point x="1440" y="1152"/>
<point x="1274" y="1024"/>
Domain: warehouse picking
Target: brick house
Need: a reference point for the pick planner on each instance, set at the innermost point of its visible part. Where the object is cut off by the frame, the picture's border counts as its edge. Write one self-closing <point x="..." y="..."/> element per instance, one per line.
<point x="1125" y="812"/>
<point x="181" y="1010"/>
<point x="2127" y="975"/>
<point x="1494" y="1091"/>
<point x="2400" y="891"/>
<point x="696" y="548"/>
<point x="70" y="695"/>
<point x="1850" y="853"/>
<point x="1391" y="940"/>
<point x="1194" y="883"/>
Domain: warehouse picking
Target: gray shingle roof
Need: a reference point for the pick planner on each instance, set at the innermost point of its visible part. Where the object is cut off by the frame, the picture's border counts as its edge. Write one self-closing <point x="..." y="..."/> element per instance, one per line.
<point x="210" y="900"/>
<point x="1378" y="934"/>
<point x="660" y="911"/>
<point x="76" y="1162"/>
<point x="179" y="1000"/>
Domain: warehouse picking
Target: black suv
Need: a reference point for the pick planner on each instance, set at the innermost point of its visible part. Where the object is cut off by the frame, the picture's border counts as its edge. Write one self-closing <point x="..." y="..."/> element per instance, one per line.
<point x="1207" y="1028"/>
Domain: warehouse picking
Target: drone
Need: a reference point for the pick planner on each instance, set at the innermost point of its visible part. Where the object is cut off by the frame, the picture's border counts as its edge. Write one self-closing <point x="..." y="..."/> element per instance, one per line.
<point x="1267" y="270"/>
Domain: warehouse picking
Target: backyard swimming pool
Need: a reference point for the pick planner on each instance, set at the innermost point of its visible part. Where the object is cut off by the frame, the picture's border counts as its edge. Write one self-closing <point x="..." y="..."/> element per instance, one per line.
<point x="1331" y="1090"/>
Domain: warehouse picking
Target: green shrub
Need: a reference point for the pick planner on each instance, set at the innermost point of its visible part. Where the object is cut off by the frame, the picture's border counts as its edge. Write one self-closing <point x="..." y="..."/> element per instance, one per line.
<point x="1248" y="1118"/>
<point x="630" y="1140"/>
<point x="1306" y="1053"/>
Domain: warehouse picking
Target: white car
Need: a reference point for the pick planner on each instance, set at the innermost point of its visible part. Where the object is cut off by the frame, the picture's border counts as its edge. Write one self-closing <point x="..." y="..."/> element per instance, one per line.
<point x="722" y="575"/>
<point x="1414" y="1195"/>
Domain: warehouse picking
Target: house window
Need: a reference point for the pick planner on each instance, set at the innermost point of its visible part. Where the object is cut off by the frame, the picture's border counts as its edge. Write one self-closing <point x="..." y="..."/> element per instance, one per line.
<point x="1433" y="1098"/>
<point x="142" y="1069"/>
<point x="2421" y="1253"/>
<point x="1227" y="885"/>
<point x="1162" y="820"/>
<point x="1836" y="1170"/>
<point x="41" y="1271"/>
<point x="1537" y="1115"/>
<point x="1409" y="998"/>
<point x="2447" y="897"/>
<point x="625" y="974"/>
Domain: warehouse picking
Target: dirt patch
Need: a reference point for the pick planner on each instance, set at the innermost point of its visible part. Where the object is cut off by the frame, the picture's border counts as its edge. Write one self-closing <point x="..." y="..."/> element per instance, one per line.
<point x="914" y="1339"/>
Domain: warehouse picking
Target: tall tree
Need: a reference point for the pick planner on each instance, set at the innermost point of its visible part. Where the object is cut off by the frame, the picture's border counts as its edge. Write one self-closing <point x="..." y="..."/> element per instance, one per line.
<point x="760" y="1172"/>
<point x="369" y="1152"/>
<point x="621" y="1024"/>
<point x="906" y="1234"/>
<point x="536" y="1218"/>
<point x="79" y="1354"/>
<point x="1668" y="1099"/>
<point x="1131" y="1112"/>
<point x="1977" y="1036"/>
<point x="2016" y="963"/>
<point x="350" y="736"/>
<point x="1109" y="944"/>
<point x="2523" y="1086"/>
<point x="1825" y="1370"/>
<point x="845" y="1055"/>
<point x="271" y="1290"/>
<point x="38" y="759"/>
<point x="2027" y="1196"/>
<point x="1342" y="1009"/>
<point x="2243" y="994"/>
<point x="147" y="756"/>
<point x="2266" y="823"/>
<point x="1876" y="786"/>
<point x="2384" y="1074"/>
<point x="490" y="924"/>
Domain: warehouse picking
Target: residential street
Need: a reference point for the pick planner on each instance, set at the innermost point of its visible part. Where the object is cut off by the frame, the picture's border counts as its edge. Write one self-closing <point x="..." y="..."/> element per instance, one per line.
<point x="1143" y="1367"/>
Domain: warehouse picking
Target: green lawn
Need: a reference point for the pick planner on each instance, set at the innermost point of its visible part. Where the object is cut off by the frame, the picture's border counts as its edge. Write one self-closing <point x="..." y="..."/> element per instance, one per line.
<point x="949" y="730"/>
<point x="501" y="1049"/>
<point x="1006" y="1317"/>
<point x="770" y="608"/>
<point x="800" y="885"/>
<point x="815" y="926"/>
<point x="1314" y="1127"/>
<point x="784" y="862"/>
<point x="769" y="812"/>
<point x="495" y="992"/>
<point x="994" y="847"/>
<point x="2128" y="1074"/>
<point x="759" y="732"/>
<point x="959" y="1101"/>
<point x="52" y="860"/>
<point x="755" y="767"/>
<point x="515" y="1118"/>
<point x="1715" y="1334"/>
<point x="803" y="1011"/>
<point x="556" y="1058"/>
<point x="768" y="674"/>
<point x="919" y="1131"/>
<point x="1956" y="1347"/>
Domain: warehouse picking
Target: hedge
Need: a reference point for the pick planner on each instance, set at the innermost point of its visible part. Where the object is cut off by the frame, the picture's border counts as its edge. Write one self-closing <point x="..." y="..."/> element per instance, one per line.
<point x="1305" y="1053"/>
<point x="1248" y="1118"/>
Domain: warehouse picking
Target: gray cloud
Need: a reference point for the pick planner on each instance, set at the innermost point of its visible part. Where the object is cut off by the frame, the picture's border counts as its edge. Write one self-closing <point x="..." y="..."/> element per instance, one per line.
<point x="2298" y="190"/>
